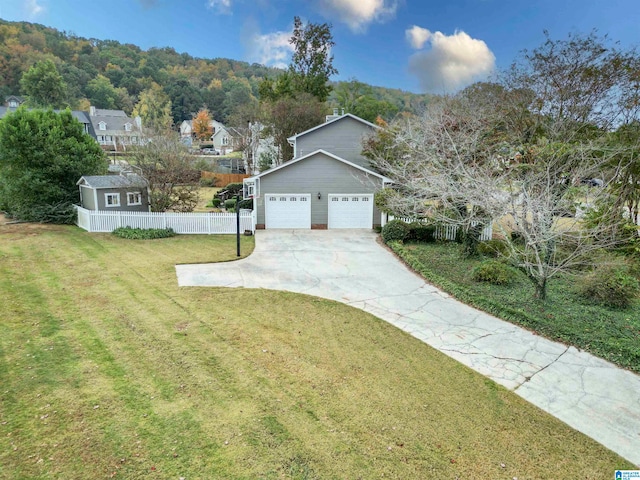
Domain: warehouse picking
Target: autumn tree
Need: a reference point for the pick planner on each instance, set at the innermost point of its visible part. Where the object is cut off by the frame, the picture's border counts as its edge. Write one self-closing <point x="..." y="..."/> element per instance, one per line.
<point x="201" y="125"/>
<point x="44" y="86"/>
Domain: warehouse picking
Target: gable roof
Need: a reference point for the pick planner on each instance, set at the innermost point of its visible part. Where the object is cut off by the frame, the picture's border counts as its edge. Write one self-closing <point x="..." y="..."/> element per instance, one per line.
<point x="113" y="181"/>
<point x="335" y="120"/>
<point x="328" y="154"/>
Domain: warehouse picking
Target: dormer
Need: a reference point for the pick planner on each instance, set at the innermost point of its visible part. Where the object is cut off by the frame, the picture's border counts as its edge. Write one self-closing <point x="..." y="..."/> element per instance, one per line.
<point x="127" y="127"/>
<point x="12" y="101"/>
<point x="102" y="125"/>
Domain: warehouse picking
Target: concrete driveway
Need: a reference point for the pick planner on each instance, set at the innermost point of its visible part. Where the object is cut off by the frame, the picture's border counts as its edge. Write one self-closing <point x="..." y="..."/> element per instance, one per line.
<point x="350" y="266"/>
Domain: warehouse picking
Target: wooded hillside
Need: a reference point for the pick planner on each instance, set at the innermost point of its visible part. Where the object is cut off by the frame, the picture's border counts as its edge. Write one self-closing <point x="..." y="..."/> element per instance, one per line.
<point x="110" y="74"/>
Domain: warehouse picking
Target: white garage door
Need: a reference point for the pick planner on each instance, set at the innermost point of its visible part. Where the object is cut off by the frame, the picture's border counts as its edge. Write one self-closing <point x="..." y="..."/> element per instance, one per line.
<point x="287" y="210"/>
<point x="350" y="211"/>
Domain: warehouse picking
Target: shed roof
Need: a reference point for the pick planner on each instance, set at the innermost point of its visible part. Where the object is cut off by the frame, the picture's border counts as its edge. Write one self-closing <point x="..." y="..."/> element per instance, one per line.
<point x="113" y="181"/>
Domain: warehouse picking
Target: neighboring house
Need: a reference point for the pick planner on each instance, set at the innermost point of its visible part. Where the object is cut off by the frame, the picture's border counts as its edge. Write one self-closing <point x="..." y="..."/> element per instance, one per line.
<point x="113" y="129"/>
<point x="328" y="183"/>
<point x="227" y="139"/>
<point x="12" y="103"/>
<point x="125" y="192"/>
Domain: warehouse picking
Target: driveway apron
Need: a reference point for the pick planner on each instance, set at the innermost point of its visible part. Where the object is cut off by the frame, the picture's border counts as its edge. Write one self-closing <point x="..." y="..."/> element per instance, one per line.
<point x="350" y="266"/>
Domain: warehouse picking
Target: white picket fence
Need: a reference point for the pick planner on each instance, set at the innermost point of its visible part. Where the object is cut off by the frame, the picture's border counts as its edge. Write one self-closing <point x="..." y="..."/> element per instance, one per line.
<point x="184" y="223"/>
<point x="448" y="232"/>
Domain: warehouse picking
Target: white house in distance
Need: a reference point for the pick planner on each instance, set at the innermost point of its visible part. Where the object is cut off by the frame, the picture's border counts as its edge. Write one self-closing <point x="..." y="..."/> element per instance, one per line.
<point x="223" y="138"/>
<point x="113" y="129"/>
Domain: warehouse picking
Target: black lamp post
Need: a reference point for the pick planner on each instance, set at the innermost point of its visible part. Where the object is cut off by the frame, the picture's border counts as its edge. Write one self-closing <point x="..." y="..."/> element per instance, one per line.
<point x="238" y="225"/>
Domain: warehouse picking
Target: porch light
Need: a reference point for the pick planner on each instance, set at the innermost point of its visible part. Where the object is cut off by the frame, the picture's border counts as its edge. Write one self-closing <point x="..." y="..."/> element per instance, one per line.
<point x="319" y="195"/>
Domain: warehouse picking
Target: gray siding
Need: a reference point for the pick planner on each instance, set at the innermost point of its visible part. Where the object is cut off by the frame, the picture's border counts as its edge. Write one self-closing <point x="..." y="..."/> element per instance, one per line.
<point x="318" y="174"/>
<point x="123" y="199"/>
<point x="343" y="138"/>
<point x="87" y="199"/>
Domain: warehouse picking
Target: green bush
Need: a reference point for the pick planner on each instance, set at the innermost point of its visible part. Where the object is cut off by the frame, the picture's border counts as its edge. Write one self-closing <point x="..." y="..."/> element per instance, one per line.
<point x="421" y="232"/>
<point x="494" y="272"/>
<point x="216" y="202"/>
<point x="234" y="188"/>
<point x="395" y="230"/>
<point x="246" y="204"/>
<point x="611" y="286"/>
<point x="208" y="182"/>
<point x="517" y="237"/>
<point x="143" y="233"/>
<point x="493" y="248"/>
<point x="230" y="204"/>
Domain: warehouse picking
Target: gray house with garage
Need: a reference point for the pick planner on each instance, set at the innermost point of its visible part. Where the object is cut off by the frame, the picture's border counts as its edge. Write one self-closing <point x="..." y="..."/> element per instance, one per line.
<point x="127" y="192"/>
<point x="328" y="183"/>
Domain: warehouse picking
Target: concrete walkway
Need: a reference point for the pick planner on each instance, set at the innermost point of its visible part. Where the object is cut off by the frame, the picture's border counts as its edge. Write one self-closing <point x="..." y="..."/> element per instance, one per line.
<point x="590" y="394"/>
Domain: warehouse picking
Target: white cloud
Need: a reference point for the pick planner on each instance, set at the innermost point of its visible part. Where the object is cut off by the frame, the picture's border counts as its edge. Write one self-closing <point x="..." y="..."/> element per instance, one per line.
<point x="222" y="6"/>
<point x="452" y="62"/>
<point x="271" y="49"/>
<point x="33" y="8"/>
<point x="417" y="36"/>
<point x="358" y="14"/>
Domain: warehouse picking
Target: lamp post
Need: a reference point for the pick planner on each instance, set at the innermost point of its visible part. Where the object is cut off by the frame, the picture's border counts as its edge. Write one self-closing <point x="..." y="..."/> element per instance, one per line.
<point x="238" y="225"/>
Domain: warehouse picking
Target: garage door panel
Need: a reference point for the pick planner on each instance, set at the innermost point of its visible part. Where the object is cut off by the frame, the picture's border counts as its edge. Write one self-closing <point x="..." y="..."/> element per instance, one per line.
<point x="350" y="211"/>
<point x="291" y="210"/>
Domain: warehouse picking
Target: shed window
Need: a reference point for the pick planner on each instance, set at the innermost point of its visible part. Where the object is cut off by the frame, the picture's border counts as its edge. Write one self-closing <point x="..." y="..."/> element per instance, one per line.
<point x="112" y="199"/>
<point x="134" y="198"/>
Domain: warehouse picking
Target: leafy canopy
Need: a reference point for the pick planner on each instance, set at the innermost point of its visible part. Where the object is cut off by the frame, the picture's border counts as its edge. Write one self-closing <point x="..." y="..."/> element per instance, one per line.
<point x="44" y="86"/>
<point x="42" y="156"/>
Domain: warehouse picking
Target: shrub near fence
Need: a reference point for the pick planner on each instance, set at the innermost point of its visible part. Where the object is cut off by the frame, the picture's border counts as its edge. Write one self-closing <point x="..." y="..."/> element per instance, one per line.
<point x="448" y="232"/>
<point x="183" y="223"/>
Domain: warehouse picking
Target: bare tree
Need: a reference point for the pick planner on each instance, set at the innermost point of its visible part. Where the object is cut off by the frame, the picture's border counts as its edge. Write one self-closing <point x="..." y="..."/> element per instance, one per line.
<point x="456" y="165"/>
<point x="166" y="164"/>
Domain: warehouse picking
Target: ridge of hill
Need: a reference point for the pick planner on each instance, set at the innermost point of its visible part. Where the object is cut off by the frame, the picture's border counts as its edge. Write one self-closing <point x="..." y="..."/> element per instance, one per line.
<point x="110" y="74"/>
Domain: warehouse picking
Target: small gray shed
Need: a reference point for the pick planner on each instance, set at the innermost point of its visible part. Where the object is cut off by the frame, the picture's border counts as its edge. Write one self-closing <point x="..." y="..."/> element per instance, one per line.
<point x="127" y="192"/>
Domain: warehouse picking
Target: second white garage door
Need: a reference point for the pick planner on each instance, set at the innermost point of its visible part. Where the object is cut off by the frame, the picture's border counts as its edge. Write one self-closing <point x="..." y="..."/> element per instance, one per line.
<point x="287" y="210"/>
<point x="350" y="211"/>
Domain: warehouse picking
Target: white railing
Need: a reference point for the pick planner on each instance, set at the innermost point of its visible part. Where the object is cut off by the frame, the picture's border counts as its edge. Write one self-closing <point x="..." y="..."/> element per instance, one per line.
<point x="448" y="232"/>
<point x="184" y="223"/>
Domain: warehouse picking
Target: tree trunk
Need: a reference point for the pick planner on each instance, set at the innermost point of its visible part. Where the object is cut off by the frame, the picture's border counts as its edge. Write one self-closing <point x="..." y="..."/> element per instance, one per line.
<point x="541" y="289"/>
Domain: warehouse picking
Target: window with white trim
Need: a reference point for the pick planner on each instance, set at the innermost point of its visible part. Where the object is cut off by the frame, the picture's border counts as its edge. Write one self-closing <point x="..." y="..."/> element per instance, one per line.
<point x="112" y="199"/>
<point x="102" y="126"/>
<point x="250" y="189"/>
<point x="134" y="198"/>
<point x="225" y="140"/>
<point x="127" y="127"/>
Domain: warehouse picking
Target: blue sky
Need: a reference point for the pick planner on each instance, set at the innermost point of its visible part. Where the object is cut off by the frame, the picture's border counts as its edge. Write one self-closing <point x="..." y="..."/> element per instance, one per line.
<point x="416" y="45"/>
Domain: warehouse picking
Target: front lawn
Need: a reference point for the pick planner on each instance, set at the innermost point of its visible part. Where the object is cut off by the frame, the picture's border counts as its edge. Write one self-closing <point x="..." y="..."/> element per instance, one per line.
<point x="109" y="370"/>
<point x="609" y="333"/>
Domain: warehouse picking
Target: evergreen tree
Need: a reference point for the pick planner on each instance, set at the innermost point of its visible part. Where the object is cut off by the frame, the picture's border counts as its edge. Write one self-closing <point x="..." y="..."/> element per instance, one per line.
<point x="42" y="156"/>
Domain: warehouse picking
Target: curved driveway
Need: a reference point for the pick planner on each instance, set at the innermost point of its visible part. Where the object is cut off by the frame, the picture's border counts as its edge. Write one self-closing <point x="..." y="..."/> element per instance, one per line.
<point x="349" y="266"/>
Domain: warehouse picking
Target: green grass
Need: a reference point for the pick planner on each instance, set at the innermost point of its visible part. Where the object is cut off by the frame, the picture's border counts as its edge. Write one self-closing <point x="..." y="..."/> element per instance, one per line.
<point x="109" y="370"/>
<point x="612" y="334"/>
